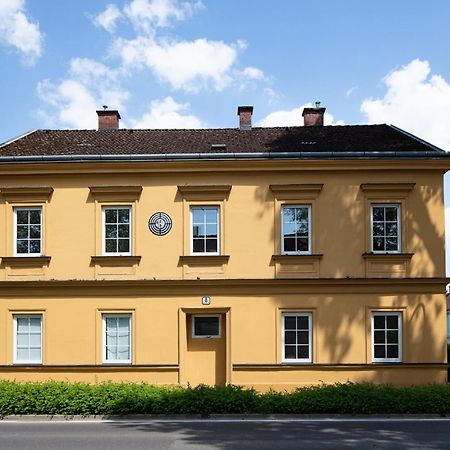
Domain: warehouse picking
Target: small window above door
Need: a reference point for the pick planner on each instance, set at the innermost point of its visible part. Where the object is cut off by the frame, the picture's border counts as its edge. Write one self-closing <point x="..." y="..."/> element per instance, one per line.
<point x="206" y="326"/>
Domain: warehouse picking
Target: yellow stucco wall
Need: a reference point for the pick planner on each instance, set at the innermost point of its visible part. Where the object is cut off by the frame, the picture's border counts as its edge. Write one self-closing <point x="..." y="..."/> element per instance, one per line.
<point x="160" y="307"/>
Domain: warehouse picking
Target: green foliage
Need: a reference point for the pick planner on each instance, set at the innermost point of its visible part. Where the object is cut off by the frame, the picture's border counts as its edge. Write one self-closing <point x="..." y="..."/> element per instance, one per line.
<point x="129" y="398"/>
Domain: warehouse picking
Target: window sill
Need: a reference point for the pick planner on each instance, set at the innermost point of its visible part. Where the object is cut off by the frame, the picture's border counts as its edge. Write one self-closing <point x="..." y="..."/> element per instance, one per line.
<point x="297" y="266"/>
<point x="203" y="266"/>
<point x="26" y="260"/>
<point x="388" y="255"/>
<point x="125" y="260"/>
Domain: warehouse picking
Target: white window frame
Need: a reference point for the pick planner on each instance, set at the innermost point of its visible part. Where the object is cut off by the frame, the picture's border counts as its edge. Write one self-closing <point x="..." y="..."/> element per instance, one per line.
<point x="27" y="208"/>
<point x="204" y="336"/>
<point x="399" y="227"/>
<point x="215" y="207"/>
<point x="308" y="252"/>
<point x="104" y="353"/>
<point x="25" y="316"/>
<point x="104" y="252"/>
<point x="398" y="314"/>
<point x="310" y="336"/>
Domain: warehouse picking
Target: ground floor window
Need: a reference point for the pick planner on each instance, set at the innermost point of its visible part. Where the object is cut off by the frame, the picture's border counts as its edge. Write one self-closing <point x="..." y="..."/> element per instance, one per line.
<point x="386" y="336"/>
<point x="206" y="326"/>
<point x="28" y="339"/>
<point x="297" y="337"/>
<point x="117" y="338"/>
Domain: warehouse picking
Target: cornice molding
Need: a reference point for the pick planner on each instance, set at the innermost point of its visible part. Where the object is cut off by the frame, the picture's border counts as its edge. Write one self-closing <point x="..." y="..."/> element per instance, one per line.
<point x="205" y="192"/>
<point x="299" y="190"/>
<point x="26" y="194"/>
<point x="116" y="193"/>
<point x="390" y="187"/>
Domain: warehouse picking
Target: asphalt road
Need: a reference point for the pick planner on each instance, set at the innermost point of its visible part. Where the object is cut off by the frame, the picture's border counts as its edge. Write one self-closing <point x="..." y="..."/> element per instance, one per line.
<point x="227" y="435"/>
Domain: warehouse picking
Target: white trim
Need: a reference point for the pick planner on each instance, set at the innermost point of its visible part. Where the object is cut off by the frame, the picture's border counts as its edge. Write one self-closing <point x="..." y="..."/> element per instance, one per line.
<point x="308" y="252"/>
<point x="208" y="336"/>
<point x="14" y="139"/>
<point x="27" y="208"/>
<point x="104" y="355"/>
<point x="399" y="227"/>
<point x="191" y="208"/>
<point x="25" y="316"/>
<point x="399" y="314"/>
<point x="130" y="224"/>
<point x="310" y="343"/>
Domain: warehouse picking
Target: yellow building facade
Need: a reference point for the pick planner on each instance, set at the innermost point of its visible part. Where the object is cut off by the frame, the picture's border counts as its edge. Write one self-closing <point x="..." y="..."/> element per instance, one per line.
<point x="267" y="269"/>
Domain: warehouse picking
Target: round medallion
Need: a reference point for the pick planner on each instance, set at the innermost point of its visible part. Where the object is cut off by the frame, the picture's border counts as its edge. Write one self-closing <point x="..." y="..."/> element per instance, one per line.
<point x="160" y="223"/>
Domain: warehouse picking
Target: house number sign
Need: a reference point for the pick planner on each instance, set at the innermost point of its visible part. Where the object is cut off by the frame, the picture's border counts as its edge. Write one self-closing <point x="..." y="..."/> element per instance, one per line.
<point x="160" y="223"/>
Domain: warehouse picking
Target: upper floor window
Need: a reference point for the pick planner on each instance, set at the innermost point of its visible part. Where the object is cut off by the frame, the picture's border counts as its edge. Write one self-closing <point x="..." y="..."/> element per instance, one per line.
<point x="28" y="339"/>
<point x="28" y="231"/>
<point x="296" y="229"/>
<point x="297" y="337"/>
<point x="387" y="336"/>
<point x="385" y="228"/>
<point x="117" y="230"/>
<point x="205" y="230"/>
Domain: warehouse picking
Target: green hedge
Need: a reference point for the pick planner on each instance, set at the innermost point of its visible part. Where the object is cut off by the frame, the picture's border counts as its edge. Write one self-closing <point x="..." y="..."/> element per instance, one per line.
<point x="128" y="398"/>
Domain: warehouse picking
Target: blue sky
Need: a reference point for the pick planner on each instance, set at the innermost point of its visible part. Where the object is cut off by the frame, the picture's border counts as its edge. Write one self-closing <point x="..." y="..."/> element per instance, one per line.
<point x="190" y="63"/>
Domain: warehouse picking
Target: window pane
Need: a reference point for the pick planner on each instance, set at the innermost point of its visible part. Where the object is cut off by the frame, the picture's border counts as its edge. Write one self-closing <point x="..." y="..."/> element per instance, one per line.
<point x="302" y="322"/>
<point x="22" y="324"/>
<point x="288" y="215"/>
<point x="303" y="352"/>
<point x="211" y="230"/>
<point x="123" y="353"/>
<point x="391" y="214"/>
<point x="22" y="216"/>
<point x="22" y="340"/>
<point x="35" y="340"/>
<point x="211" y="215"/>
<point x="124" y="231"/>
<point x="35" y="324"/>
<point x="110" y="215"/>
<point x="289" y="244"/>
<point x="22" y="231"/>
<point x="289" y="352"/>
<point x="197" y="215"/>
<point x="378" y="244"/>
<point x="302" y="244"/>
<point x="379" y="351"/>
<point x="392" y="351"/>
<point x="391" y="229"/>
<point x="290" y="323"/>
<point x="392" y="337"/>
<point x="198" y="246"/>
<point x="392" y="322"/>
<point x="22" y="354"/>
<point x="22" y="246"/>
<point x="289" y="337"/>
<point x="124" y="216"/>
<point x="302" y="229"/>
<point x="110" y="231"/>
<point x="379" y="322"/>
<point x="377" y="213"/>
<point x="110" y="246"/>
<point x="211" y="245"/>
<point x="35" y="216"/>
<point x="124" y="324"/>
<point x="392" y="243"/>
<point x="206" y="326"/>
<point x="35" y="354"/>
<point x="302" y="337"/>
<point x="301" y="214"/>
<point x="35" y="231"/>
<point x="378" y="229"/>
<point x="198" y="231"/>
<point x="35" y="246"/>
<point x="378" y="337"/>
<point x="124" y="245"/>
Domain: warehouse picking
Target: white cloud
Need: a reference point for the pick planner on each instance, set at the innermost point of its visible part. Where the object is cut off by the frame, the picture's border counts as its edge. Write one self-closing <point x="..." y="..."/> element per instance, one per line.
<point x="253" y="73"/>
<point x="351" y="91"/>
<point x="167" y="113"/>
<point x="145" y="15"/>
<point x="187" y="65"/>
<point x="293" y="117"/>
<point x="17" y="30"/>
<point x="72" y="102"/>
<point x="415" y="100"/>
<point x="108" y="18"/>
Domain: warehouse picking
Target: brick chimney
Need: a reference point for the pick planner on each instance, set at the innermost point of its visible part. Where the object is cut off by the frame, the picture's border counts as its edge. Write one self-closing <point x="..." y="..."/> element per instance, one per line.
<point x="245" y="117"/>
<point x="313" y="117"/>
<point x="108" y="119"/>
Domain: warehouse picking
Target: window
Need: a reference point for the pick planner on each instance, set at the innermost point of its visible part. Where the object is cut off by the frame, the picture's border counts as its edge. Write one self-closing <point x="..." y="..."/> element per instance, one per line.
<point x="386" y="228"/>
<point x="206" y="326"/>
<point x="117" y="338"/>
<point x="205" y="230"/>
<point x="28" y="339"/>
<point x="296" y="229"/>
<point x="297" y="337"/>
<point x="28" y="231"/>
<point x="117" y="230"/>
<point x="387" y="336"/>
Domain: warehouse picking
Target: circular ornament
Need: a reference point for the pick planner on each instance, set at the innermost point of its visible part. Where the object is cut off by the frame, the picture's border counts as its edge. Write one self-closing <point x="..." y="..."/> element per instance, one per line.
<point x="160" y="223"/>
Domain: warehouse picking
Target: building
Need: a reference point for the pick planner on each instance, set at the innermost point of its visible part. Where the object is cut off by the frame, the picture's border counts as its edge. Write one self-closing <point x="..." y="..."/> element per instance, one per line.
<point x="265" y="257"/>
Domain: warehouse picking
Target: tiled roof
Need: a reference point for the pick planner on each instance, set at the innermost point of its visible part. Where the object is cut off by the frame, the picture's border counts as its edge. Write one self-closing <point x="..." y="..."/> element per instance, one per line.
<point x="338" y="139"/>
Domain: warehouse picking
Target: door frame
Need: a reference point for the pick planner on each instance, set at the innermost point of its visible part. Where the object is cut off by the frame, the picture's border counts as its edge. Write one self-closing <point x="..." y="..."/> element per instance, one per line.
<point x="182" y="340"/>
